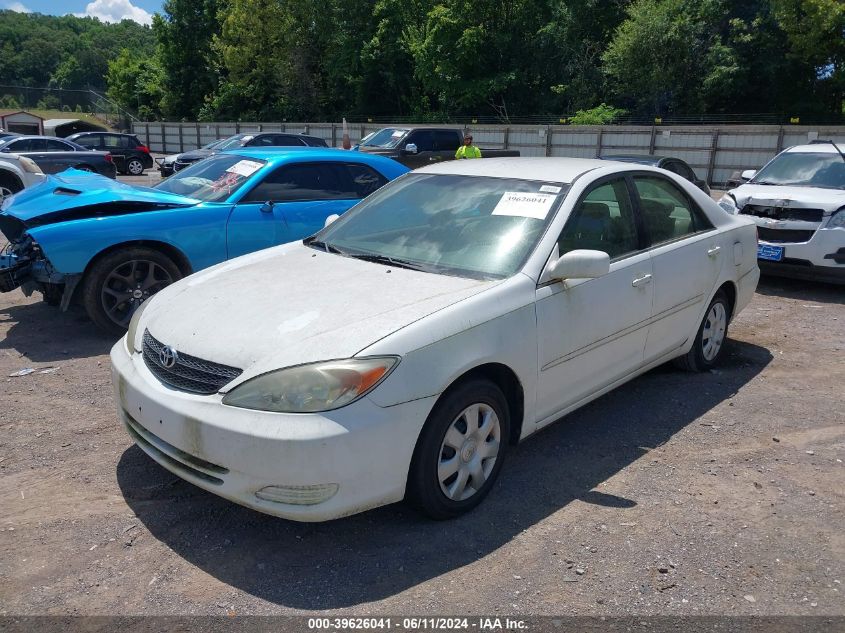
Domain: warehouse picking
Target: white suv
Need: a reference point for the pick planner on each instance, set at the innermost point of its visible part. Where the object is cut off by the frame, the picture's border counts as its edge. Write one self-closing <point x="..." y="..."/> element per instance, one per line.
<point x="798" y="202"/>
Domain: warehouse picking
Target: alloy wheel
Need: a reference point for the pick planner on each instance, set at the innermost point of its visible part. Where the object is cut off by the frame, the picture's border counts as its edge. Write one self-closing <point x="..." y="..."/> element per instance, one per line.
<point x="129" y="285"/>
<point x="713" y="334"/>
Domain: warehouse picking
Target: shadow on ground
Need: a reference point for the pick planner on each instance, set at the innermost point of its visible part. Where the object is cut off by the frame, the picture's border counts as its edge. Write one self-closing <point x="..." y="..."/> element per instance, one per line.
<point x="44" y="334"/>
<point x="383" y="552"/>
<point x="802" y="290"/>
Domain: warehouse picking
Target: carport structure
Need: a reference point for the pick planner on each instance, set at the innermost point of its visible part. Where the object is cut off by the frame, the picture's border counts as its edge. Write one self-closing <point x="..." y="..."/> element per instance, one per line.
<point x="21" y="122"/>
<point x="66" y="127"/>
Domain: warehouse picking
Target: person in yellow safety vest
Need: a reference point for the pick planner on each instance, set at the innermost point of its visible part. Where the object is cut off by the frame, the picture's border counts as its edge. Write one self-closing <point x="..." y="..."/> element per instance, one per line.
<point x="468" y="150"/>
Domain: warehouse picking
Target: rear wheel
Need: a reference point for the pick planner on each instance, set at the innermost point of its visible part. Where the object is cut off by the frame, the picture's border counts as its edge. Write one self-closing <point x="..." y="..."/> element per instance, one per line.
<point x="134" y="167"/>
<point x="460" y="451"/>
<point x="710" y="341"/>
<point x="121" y="281"/>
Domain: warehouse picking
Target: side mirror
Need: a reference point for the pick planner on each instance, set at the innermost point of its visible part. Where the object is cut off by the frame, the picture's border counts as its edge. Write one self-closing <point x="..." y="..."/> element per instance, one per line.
<point x="267" y="207"/>
<point x="411" y="148"/>
<point x="330" y="219"/>
<point x="748" y="174"/>
<point x="580" y="264"/>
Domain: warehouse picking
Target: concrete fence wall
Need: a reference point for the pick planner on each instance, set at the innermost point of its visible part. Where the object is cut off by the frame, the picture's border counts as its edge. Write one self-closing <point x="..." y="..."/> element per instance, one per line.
<point x="714" y="152"/>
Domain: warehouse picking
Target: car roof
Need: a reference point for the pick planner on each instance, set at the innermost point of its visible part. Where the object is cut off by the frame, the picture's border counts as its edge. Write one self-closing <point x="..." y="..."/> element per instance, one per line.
<point x="26" y="136"/>
<point x="817" y="148"/>
<point x="529" y="168"/>
<point x="282" y="153"/>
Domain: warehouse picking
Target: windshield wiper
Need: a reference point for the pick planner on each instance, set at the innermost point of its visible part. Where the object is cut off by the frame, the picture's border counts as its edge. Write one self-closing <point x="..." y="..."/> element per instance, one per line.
<point x="323" y="246"/>
<point x="390" y="261"/>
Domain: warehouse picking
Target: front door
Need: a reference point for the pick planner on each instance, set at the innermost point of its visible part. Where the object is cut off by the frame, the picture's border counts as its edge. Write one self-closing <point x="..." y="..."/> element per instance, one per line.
<point x="591" y="332"/>
<point x="294" y="201"/>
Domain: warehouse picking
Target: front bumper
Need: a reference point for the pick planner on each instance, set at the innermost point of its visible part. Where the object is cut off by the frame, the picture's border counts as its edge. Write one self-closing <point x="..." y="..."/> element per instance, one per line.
<point x="820" y="258"/>
<point x="364" y="449"/>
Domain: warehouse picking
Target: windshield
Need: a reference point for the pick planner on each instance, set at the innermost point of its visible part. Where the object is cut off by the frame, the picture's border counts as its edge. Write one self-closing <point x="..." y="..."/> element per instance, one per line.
<point x="387" y="138"/>
<point x="469" y="226"/>
<point x="213" y="179"/>
<point x="804" y="169"/>
<point x="233" y="141"/>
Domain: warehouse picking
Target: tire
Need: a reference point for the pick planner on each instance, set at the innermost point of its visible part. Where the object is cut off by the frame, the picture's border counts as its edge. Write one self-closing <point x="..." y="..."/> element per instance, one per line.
<point x="119" y="282"/>
<point x="435" y="480"/>
<point x="710" y="340"/>
<point x="9" y="185"/>
<point x="134" y="167"/>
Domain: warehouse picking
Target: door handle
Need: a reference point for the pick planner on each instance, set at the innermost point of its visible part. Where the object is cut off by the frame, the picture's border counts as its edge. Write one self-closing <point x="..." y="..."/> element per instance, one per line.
<point x="641" y="281"/>
<point x="712" y="252"/>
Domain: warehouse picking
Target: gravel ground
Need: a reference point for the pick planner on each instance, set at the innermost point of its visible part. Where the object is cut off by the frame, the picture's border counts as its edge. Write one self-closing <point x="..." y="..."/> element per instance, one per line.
<point x="676" y="494"/>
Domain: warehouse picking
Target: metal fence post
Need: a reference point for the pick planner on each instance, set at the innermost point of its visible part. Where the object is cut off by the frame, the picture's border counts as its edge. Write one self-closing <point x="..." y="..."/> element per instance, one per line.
<point x="714" y="148"/>
<point x="163" y="139"/>
<point x="651" y="142"/>
<point x="548" y="140"/>
<point x="507" y="136"/>
<point x="181" y="140"/>
<point x="780" y="140"/>
<point x="147" y="133"/>
<point x="237" y="127"/>
<point x="334" y="135"/>
<point x="599" y="142"/>
<point x="199" y="138"/>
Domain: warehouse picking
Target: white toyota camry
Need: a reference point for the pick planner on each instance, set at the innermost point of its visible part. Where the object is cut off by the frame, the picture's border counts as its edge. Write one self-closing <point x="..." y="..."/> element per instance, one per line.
<point x="399" y="351"/>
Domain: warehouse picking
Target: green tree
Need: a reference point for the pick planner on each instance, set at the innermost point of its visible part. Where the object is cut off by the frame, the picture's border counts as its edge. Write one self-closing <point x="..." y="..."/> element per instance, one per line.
<point x="136" y="83"/>
<point x="185" y="30"/>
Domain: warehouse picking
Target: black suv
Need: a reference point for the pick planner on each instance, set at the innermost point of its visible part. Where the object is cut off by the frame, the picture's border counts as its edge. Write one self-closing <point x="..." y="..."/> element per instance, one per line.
<point x="259" y="139"/>
<point x="129" y="154"/>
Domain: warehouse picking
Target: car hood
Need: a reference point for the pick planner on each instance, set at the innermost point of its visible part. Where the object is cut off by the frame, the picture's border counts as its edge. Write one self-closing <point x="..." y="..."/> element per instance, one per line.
<point x="773" y="195"/>
<point x="291" y="305"/>
<point x="76" y="195"/>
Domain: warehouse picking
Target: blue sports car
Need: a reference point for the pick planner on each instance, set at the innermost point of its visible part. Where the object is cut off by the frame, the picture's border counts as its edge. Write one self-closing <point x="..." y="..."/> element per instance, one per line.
<point x="82" y="237"/>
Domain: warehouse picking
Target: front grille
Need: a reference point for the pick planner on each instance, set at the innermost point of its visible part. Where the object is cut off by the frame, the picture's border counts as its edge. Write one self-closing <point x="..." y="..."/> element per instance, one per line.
<point x="779" y="236"/>
<point x="783" y="213"/>
<point x="189" y="373"/>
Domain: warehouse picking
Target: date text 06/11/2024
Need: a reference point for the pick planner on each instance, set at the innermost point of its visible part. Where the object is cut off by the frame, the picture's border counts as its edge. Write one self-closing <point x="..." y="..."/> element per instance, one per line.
<point x="416" y="624"/>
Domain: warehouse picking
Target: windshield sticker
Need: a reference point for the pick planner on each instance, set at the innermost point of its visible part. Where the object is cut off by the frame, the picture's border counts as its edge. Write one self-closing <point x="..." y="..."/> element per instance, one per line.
<point x="526" y="205"/>
<point x="226" y="182"/>
<point x="245" y="168"/>
<point x="550" y="189"/>
<point x="397" y="133"/>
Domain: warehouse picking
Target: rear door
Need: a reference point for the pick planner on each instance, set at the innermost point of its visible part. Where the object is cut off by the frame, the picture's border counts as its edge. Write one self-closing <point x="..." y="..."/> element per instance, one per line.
<point x="301" y="196"/>
<point x="686" y="255"/>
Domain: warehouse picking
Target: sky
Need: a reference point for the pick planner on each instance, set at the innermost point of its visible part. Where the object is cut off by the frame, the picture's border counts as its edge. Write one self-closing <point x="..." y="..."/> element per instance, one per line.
<point x="107" y="10"/>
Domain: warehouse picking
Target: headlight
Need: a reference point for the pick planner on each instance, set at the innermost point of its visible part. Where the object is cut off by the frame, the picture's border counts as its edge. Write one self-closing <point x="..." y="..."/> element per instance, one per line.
<point x="29" y="165"/>
<point x="728" y="204"/>
<point x="129" y="339"/>
<point x="311" y="388"/>
<point x="837" y="220"/>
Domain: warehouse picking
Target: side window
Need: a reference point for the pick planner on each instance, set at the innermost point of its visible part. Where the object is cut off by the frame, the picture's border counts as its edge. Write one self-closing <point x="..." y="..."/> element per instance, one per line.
<point x="110" y="141"/>
<point x="445" y="140"/>
<point x="365" y="179"/>
<point x="602" y="221"/>
<point x="305" y="181"/>
<point x="21" y="146"/>
<point x="667" y="213"/>
<point x="423" y="139"/>
<point x="284" y="140"/>
<point x="91" y="141"/>
<point x="57" y="146"/>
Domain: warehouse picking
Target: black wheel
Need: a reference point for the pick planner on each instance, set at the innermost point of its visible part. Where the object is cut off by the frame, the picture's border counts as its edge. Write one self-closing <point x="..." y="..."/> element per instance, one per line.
<point x="9" y="185"/>
<point x="134" y="167"/>
<point x="710" y="341"/>
<point x="460" y="451"/>
<point x="121" y="281"/>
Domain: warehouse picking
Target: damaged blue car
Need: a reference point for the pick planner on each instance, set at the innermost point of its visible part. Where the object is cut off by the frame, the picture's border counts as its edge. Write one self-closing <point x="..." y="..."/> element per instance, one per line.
<point x="79" y="237"/>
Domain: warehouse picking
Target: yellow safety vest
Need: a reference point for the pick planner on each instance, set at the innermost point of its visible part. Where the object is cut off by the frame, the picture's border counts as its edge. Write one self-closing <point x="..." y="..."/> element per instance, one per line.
<point x="470" y="151"/>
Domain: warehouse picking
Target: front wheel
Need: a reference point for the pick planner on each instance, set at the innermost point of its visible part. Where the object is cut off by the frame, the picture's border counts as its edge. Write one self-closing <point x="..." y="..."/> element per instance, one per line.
<point x="121" y="281"/>
<point x="460" y="451"/>
<point x="710" y="341"/>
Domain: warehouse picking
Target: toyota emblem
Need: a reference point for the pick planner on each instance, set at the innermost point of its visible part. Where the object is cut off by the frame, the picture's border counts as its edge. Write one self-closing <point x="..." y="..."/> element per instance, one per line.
<point x="167" y="357"/>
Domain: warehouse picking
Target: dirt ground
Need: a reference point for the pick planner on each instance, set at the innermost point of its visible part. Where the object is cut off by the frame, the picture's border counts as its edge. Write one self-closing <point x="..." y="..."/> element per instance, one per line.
<point x="720" y="493"/>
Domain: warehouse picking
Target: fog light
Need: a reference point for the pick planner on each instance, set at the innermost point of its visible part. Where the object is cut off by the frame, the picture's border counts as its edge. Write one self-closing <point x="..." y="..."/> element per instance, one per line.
<point x="298" y="495"/>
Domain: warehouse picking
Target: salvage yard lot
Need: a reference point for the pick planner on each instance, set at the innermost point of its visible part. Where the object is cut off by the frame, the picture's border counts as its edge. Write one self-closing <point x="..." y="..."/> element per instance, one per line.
<point x="719" y="493"/>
